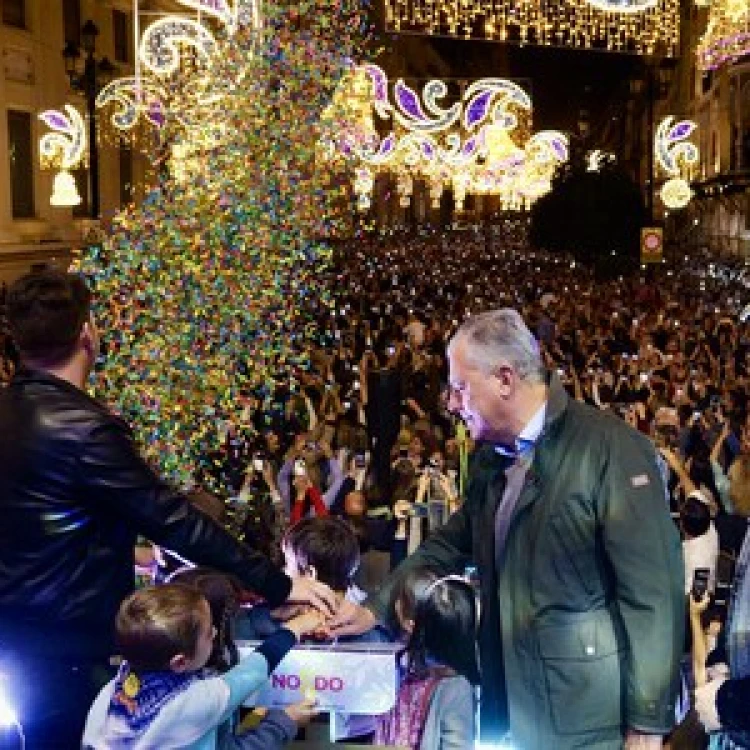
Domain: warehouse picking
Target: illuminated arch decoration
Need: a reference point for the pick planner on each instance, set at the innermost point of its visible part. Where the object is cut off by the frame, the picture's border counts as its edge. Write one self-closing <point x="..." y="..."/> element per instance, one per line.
<point x="481" y="144"/>
<point x="63" y="149"/>
<point x="640" y="26"/>
<point x="727" y="35"/>
<point x="676" y="156"/>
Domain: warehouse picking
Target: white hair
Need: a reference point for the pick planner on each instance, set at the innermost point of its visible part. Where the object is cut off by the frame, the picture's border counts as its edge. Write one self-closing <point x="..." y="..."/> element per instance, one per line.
<point x="501" y="335"/>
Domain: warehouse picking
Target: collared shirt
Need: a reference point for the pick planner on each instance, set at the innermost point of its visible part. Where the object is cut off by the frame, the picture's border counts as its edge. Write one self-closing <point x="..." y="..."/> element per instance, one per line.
<point x="515" y="476"/>
<point x="528" y="437"/>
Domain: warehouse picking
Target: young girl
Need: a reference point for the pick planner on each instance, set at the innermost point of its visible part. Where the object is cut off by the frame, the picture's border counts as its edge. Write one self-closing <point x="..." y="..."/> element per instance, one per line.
<point x="277" y="727"/>
<point x="162" y="696"/>
<point x="434" y="707"/>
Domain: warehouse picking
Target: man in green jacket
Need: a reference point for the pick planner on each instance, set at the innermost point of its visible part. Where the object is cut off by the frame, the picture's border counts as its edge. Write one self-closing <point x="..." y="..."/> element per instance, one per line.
<point x="580" y="565"/>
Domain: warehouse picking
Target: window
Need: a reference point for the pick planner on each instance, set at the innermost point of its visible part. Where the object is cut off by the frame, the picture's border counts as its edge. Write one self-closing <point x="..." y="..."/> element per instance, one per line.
<point x="72" y="21"/>
<point x="14" y="13"/>
<point x="126" y="175"/>
<point x="121" y="36"/>
<point x="21" y="157"/>
<point x="81" y="176"/>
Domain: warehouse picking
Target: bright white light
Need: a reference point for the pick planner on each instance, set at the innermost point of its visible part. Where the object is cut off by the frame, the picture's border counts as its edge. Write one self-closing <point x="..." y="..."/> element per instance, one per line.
<point x="8" y="716"/>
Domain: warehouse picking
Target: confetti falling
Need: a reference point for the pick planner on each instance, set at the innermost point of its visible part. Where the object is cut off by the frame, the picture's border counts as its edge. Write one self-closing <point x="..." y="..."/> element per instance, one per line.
<point x="206" y="292"/>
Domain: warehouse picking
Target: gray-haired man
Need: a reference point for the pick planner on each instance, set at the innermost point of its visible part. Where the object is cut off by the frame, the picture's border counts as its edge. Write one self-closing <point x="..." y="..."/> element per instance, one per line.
<point x="579" y="562"/>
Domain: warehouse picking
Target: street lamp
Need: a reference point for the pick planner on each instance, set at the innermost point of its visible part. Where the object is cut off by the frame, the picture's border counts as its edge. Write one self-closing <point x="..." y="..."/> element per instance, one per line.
<point x="89" y="82"/>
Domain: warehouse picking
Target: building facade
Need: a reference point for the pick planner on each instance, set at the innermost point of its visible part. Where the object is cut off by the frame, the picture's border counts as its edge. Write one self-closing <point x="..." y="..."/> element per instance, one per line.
<point x="33" y="78"/>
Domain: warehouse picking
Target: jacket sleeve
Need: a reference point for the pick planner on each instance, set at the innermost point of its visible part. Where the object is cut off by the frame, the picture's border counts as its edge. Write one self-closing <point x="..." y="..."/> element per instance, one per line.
<point x="454" y="709"/>
<point x="643" y="548"/>
<point x="118" y="482"/>
<point x="273" y="732"/>
<point x="446" y="550"/>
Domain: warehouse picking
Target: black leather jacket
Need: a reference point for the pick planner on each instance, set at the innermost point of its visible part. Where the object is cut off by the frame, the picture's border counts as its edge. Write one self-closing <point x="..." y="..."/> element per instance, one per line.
<point x="74" y="494"/>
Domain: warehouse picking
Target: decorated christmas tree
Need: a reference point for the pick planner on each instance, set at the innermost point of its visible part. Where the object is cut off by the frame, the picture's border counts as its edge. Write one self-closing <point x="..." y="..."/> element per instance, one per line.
<point x="208" y="291"/>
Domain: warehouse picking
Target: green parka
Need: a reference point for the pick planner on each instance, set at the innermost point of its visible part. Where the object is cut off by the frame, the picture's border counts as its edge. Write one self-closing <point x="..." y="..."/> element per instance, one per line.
<point x="582" y="626"/>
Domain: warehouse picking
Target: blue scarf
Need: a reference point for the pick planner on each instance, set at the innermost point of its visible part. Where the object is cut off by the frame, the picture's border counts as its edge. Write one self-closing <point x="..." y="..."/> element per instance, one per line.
<point x="137" y="699"/>
<point x="738" y="628"/>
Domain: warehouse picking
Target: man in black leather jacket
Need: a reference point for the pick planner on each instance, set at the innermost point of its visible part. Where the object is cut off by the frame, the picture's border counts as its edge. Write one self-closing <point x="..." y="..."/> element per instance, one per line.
<point x="74" y="493"/>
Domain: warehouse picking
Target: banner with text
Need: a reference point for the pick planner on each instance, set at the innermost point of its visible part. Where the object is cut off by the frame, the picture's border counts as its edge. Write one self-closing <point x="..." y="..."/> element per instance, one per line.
<point x="352" y="678"/>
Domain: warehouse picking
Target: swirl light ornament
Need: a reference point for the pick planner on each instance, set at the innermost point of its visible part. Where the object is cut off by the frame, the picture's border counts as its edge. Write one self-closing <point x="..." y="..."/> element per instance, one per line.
<point x="481" y="144"/>
<point x="169" y="43"/>
<point x="640" y="26"/>
<point x="63" y="149"/>
<point x="677" y="157"/>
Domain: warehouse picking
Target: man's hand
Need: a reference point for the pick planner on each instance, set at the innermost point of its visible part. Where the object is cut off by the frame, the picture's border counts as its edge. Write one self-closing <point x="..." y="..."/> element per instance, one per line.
<point x="350" y="619"/>
<point x="635" y="740"/>
<point x="705" y="704"/>
<point x="308" y="591"/>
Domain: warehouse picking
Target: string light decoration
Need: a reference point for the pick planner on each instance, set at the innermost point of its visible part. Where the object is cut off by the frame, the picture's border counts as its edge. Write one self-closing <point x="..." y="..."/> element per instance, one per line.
<point x="480" y="145"/>
<point x="727" y="35"/>
<point x="64" y="149"/>
<point x="209" y="288"/>
<point x="640" y="26"/>
<point x="676" y="156"/>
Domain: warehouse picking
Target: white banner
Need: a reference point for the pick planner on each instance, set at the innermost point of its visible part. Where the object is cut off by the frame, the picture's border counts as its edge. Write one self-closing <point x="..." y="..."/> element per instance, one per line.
<point x="351" y="678"/>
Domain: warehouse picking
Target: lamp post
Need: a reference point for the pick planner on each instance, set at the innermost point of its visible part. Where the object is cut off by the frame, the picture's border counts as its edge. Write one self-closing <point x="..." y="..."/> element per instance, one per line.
<point x="89" y="82"/>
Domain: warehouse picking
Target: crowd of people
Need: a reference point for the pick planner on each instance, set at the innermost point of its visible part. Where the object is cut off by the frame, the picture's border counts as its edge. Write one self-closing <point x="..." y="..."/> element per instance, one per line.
<point x="372" y="460"/>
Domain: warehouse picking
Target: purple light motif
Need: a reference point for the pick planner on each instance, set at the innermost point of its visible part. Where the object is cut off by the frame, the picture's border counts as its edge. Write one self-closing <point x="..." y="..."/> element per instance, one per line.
<point x="55" y="120"/>
<point x="470" y="146"/>
<point x="379" y="82"/>
<point x="155" y="113"/>
<point x="477" y="109"/>
<point x="681" y="130"/>
<point x="386" y="147"/>
<point x="427" y="149"/>
<point x="559" y="148"/>
<point x="408" y="101"/>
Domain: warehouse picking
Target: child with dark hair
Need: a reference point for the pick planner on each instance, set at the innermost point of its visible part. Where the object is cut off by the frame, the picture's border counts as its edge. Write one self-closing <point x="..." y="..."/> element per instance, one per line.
<point x="278" y="726"/>
<point x="163" y="696"/>
<point x="435" y="702"/>
<point x="326" y="549"/>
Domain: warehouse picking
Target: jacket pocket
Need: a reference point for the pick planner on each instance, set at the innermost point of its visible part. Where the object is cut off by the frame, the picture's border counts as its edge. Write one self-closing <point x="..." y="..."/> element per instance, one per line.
<point x="582" y="663"/>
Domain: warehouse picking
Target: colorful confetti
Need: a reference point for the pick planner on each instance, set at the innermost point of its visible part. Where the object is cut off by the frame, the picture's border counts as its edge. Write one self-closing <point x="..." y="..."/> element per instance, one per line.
<point x="206" y="292"/>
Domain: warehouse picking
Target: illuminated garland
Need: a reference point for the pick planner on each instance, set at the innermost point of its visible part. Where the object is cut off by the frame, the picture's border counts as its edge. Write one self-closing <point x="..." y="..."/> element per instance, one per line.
<point x="727" y="35"/>
<point x="641" y="26"/>
<point x="479" y="145"/>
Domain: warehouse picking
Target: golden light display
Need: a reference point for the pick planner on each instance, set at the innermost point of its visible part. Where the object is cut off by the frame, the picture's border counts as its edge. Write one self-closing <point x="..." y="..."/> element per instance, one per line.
<point x="641" y="26"/>
<point x="727" y="35"/>
<point x="480" y="145"/>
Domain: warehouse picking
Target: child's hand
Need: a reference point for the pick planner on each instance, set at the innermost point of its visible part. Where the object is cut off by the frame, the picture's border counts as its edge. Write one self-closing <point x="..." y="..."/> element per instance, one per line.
<point x="288" y="611"/>
<point x="301" y="713"/>
<point x="307" y="622"/>
<point x="698" y="606"/>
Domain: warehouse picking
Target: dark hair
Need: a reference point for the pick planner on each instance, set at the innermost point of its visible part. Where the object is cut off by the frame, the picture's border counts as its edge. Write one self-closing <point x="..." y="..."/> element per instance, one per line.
<point x="329" y="544"/>
<point x="695" y="517"/>
<point x="222" y="594"/>
<point x="445" y="622"/>
<point x="157" y="623"/>
<point x="46" y="312"/>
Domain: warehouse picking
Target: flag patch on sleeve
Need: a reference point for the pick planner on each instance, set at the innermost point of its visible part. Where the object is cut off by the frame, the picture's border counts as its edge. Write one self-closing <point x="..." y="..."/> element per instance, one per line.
<point x="640" y="480"/>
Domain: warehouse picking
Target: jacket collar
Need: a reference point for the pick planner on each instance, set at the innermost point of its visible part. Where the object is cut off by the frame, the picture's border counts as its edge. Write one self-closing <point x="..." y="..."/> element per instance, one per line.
<point x="557" y="401"/>
<point x="27" y="374"/>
